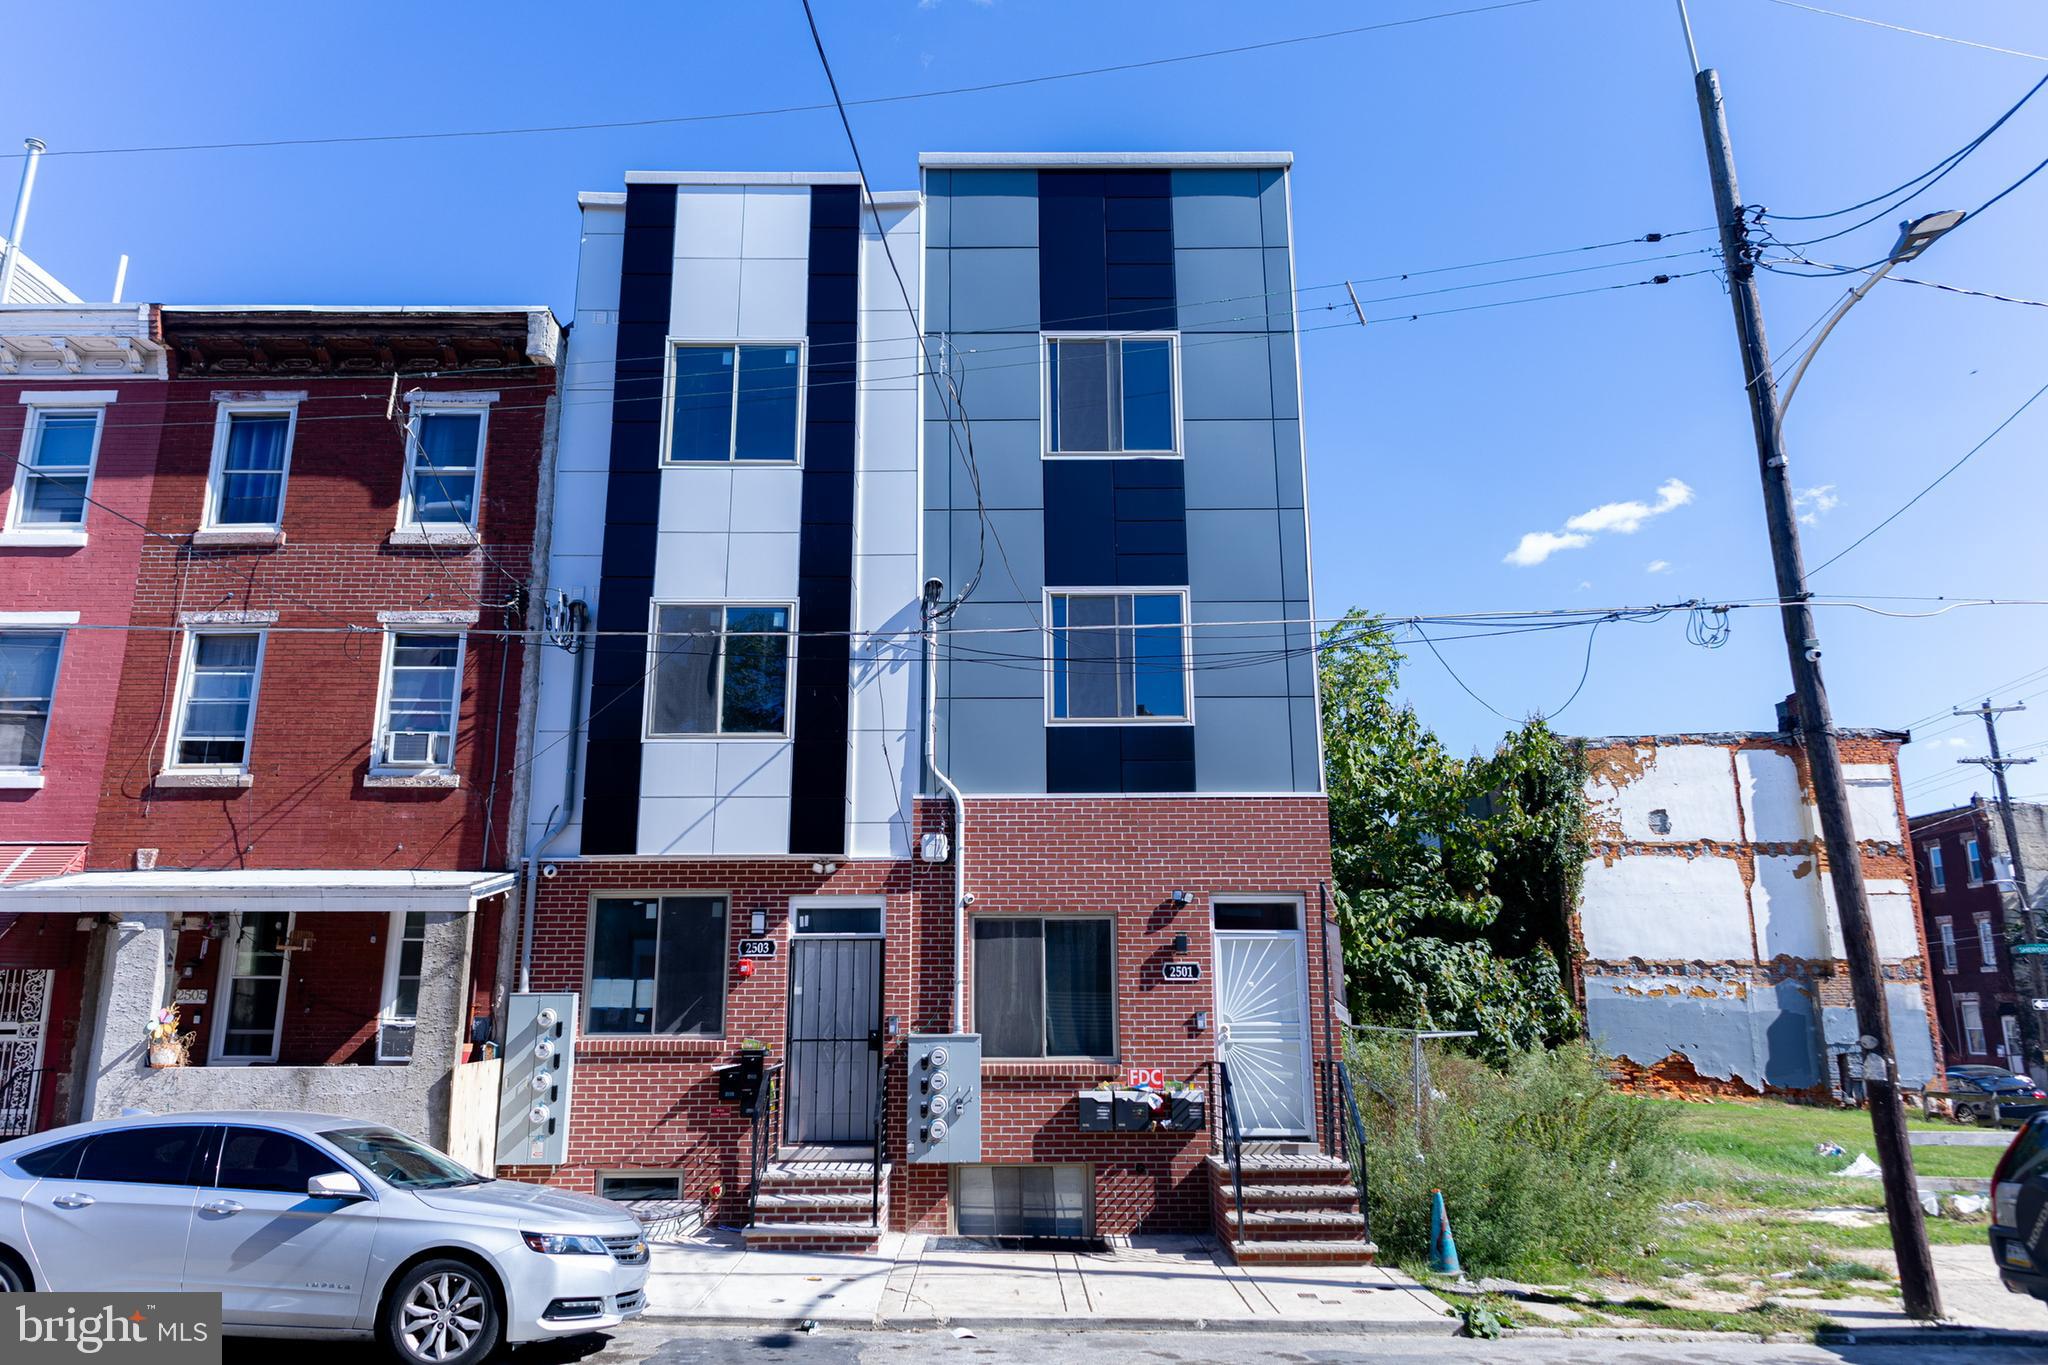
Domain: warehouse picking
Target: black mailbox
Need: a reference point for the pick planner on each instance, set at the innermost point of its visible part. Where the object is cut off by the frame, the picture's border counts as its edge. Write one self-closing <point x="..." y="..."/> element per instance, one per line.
<point x="1133" y="1111"/>
<point x="1097" y="1111"/>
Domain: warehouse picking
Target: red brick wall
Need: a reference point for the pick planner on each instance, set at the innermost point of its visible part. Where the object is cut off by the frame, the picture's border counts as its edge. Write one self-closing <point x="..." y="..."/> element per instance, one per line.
<point x="334" y="989"/>
<point x="652" y="1102"/>
<point x="97" y="581"/>
<point x="316" y="705"/>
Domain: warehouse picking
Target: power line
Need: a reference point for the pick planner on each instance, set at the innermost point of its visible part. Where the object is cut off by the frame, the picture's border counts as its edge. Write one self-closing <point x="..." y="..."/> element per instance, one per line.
<point x="727" y="116"/>
<point x="1916" y="32"/>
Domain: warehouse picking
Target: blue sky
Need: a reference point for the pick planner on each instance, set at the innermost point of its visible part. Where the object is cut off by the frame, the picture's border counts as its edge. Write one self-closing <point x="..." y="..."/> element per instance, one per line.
<point x="1436" y="446"/>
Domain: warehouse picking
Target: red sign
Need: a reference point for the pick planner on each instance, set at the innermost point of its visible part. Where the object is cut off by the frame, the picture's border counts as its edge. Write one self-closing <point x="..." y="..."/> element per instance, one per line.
<point x="1146" y="1077"/>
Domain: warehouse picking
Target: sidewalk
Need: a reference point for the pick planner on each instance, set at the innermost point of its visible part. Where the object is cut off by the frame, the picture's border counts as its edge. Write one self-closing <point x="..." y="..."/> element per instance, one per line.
<point x="1149" y="1284"/>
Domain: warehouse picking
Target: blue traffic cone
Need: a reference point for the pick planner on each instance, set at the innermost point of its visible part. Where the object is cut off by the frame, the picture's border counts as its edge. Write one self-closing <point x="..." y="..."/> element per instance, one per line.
<point x="1443" y="1248"/>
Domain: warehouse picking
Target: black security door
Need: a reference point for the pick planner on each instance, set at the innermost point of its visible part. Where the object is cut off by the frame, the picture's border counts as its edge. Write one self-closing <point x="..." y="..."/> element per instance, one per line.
<point x="835" y="1038"/>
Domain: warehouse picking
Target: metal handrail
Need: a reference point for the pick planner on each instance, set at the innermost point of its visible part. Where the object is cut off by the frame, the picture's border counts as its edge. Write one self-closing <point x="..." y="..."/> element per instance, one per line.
<point x="1233" y="1140"/>
<point x="1357" y="1136"/>
<point x="761" y="1141"/>
<point x="880" y="1148"/>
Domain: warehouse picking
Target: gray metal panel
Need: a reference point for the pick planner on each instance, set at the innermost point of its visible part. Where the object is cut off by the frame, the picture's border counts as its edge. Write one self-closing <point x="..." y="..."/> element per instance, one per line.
<point x="1221" y="289"/>
<point x="1307" y="744"/>
<point x="948" y="1065"/>
<point x="1286" y="396"/>
<point x="938" y="209"/>
<point x="997" y="375"/>
<point x="1236" y="748"/>
<point x="1273" y="206"/>
<point x="1005" y="453"/>
<point x="1234" y="555"/>
<point x="1294" y="554"/>
<point x="1241" y="660"/>
<point x="1014" y="569"/>
<point x="835" y="1021"/>
<point x="1280" y="290"/>
<point x="995" y="289"/>
<point x="993" y="208"/>
<point x="1230" y="464"/>
<point x="1287" y="464"/>
<point x="540" y="1040"/>
<point x="1226" y="375"/>
<point x="937" y="315"/>
<point x="996" y="745"/>
<point x="1217" y="208"/>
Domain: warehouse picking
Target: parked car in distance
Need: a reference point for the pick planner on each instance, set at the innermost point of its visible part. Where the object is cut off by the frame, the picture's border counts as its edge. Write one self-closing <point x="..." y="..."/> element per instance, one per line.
<point x="313" y="1225"/>
<point x="2019" y="1210"/>
<point x="1993" y="1095"/>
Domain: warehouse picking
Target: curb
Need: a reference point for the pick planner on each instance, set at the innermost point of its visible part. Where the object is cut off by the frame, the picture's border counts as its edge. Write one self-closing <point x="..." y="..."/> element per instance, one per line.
<point x="1875" y="1336"/>
<point x="1449" y="1327"/>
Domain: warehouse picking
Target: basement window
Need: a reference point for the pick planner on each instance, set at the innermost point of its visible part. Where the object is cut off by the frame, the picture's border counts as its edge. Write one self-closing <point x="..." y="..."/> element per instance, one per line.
<point x="1021" y="1201"/>
<point x="633" y="1185"/>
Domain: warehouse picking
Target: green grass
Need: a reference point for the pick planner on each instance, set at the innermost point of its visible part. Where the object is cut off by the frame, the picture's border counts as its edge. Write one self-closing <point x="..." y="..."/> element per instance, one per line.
<point x="1767" y="1138"/>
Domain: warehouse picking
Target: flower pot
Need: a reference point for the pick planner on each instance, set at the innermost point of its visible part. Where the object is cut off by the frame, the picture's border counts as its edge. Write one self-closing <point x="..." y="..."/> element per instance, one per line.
<point x="164" y="1054"/>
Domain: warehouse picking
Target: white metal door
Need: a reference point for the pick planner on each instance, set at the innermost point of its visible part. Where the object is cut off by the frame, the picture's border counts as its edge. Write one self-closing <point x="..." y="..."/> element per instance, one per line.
<point x="250" y="1016"/>
<point x="1262" y="1013"/>
<point x="24" y="1010"/>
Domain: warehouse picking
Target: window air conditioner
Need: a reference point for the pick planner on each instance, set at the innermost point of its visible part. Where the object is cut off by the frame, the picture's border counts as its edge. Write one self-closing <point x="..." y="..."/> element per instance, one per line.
<point x="412" y="748"/>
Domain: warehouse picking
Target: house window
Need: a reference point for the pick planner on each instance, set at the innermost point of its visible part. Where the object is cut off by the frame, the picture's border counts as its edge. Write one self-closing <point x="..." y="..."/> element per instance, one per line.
<point x="444" y="464"/>
<point x="657" y="966"/>
<point x="1021" y="1201"/>
<point x="402" y="973"/>
<point x="629" y="1186"/>
<point x="1042" y="987"/>
<point x="252" y="450"/>
<point x="1946" y="931"/>
<point x="28" y="689"/>
<point x="217" y="700"/>
<point x="1987" y="941"/>
<point x="1118" y="656"/>
<point x="1976" y="860"/>
<point x="1973" y="1024"/>
<point x="54" y="473"/>
<point x="735" y="402"/>
<point x="1112" y="395"/>
<point x="719" y="670"/>
<point x="2015" y="1052"/>
<point x="1937" y="876"/>
<point x="422" y="680"/>
<point x="256" y="961"/>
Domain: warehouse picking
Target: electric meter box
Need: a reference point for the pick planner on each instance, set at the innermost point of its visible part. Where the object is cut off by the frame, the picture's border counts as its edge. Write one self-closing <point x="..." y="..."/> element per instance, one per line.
<point x="534" y="1089"/>
<point x="944" y="1098"/>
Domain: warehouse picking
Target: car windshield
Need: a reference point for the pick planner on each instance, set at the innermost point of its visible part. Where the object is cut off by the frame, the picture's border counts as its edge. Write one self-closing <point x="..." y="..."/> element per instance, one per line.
<point x="400" y="1162"/>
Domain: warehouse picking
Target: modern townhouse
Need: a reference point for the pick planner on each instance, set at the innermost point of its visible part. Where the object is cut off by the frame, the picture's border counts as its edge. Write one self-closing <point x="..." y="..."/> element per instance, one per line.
<point x="928" y="733"/>
<point x="1974" y="921"/>
<point x="301" y="835"/>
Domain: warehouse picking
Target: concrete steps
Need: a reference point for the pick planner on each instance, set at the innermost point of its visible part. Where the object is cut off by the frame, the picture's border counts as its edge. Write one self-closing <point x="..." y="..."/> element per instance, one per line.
<point x="819" y="1205"/>
<point x="1299" y="1208"/>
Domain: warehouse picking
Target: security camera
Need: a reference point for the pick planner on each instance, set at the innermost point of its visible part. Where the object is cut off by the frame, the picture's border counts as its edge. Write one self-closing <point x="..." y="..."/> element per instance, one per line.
<point x="1813" y="654"/>
<point x="549" y="870"/>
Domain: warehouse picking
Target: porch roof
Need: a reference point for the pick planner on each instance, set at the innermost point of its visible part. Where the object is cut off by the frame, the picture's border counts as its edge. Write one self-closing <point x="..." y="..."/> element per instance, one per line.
<point x="244" y="888"/>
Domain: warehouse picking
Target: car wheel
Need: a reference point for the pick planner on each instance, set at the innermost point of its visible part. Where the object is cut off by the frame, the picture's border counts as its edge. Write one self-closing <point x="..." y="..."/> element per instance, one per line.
<point x="441" y="1312"/>
<point x="13" y="1279"/>
<point x="1972" y="1114"/>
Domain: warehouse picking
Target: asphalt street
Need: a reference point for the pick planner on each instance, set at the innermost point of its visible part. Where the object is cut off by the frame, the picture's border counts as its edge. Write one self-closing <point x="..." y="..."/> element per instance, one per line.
<point x="659" y="1344"/>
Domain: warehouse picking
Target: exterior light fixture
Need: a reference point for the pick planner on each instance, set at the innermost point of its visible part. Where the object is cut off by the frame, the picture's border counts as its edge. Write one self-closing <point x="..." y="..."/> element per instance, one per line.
<point x="758" y="924"/>
<point x="1180" y="943"/>
<point x="1922" y="232"/>
<point x="1201" y="1021"/>
<point x="1181" y="898"/>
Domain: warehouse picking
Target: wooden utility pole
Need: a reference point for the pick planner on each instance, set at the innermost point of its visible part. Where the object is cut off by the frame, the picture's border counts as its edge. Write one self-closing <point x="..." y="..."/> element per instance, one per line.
<point x="1816" y="725"/>
<point x="2028" y="965"/>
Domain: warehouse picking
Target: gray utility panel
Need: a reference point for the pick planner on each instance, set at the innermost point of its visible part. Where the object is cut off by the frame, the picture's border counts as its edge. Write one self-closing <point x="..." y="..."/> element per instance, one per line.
<point x="533" y="1096"/>
<point x="944" y="1098"/>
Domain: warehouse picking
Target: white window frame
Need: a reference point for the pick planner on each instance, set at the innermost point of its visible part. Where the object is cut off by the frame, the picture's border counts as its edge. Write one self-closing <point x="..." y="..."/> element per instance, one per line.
<point x="1987" y="942"/>
<point x="1975" y="1041"/>
<point x="225" y="411"/>
<point x="224" y="990"/>
<point x="188" y="651"/>
<point x="27" y="623"/>
<point x="647" y="731"/>
<point x="1975" y="857"/>
<point x="732" y="434"/>
<point x="1045" y="422"/>
<point x="388" y="1016"/>
<point x="2009" y="1036"/>
<point x="1937" y="875"/>
<point x="42" y="404"/>
<point x="725" y="1002"/>
<point x="380" y="766"/>
<point x="1187" y="646"/>
<point x="1116" y="1032"/>
<point x="421" y="404"/>
<point x="1945" y="934"/>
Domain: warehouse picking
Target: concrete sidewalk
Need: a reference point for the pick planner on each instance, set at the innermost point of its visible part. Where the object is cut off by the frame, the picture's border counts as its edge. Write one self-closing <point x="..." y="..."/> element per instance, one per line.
<point x="1147" y="1284"/>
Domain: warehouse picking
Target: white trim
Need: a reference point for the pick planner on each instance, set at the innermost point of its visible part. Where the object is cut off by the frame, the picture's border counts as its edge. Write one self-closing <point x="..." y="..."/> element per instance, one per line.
<point x="801" y="903"/>
<point x="725" y="956"/>
<point x="1289" y="795"/>
<point x="62" y="398"/>
<point x="225" y="990"/>
<point x="174" y="769"/>
<point x="1186" y="655"/>
<point x="732" y="424"/>
<point x="394" y="943"/>
<point x="53" y="532"/>
<point x="29" y="776"/>
<point x="421" y="405"/>
<point x="805" y="178"/>
<point x="227" y="618"/>
<point x="226" y="409"/>
<point x="28" y="620"/>
<point x="1308" y="1022"/>
<point x="1045" y="415"/>
<point x="380" y="766"/>
<point x="648" y="735"/>
<point x="967" y="161"/>
<point x="450" y="398"/>
<point x="22" y="779"/>
<point x="427" y="618"/>
<point x="1308" y="536"/>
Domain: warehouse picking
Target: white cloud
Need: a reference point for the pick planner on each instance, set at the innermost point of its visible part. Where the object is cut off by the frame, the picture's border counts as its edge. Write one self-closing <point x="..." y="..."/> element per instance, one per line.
<point x="1620" y="518"/>
<point x="1953" y="742"/>
<point x="1657" y="566"/>
<point x="1538" y="546"/>
<point x="1814" y="503"/>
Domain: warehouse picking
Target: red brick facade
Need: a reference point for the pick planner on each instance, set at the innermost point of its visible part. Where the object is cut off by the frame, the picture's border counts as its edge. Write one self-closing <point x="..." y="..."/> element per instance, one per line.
<point x="651" y="1103"/>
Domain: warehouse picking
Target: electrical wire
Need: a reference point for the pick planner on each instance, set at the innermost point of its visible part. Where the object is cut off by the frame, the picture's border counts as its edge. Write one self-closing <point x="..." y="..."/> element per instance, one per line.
<point x="1916" y="32"/>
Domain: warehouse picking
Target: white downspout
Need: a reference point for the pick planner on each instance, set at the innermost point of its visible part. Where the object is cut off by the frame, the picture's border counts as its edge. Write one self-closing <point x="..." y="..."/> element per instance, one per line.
<point x="932" y="614"/>
<point x="12" y="260"/>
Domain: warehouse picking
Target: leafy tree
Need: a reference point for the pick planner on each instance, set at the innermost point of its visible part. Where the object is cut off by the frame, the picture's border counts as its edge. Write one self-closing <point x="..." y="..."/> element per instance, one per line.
<point x="1453" y="877"/>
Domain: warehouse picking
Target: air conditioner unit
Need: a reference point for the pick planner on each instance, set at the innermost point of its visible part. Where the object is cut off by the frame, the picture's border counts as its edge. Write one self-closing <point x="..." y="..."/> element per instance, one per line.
<point x="414" y="748"/>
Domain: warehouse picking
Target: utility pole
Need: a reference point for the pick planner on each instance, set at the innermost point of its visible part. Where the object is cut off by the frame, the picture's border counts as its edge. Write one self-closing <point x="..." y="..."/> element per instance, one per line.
<point x="2028" y="975"/>
<point x="1816" y="725"/>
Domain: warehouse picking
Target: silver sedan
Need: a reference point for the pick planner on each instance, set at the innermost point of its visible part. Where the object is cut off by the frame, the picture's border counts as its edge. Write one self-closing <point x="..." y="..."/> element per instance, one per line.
<point x="312" y="1225"/>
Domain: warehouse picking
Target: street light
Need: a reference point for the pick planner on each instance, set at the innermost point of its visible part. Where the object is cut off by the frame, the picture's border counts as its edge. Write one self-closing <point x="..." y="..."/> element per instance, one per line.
<point x="1914" y="238"/>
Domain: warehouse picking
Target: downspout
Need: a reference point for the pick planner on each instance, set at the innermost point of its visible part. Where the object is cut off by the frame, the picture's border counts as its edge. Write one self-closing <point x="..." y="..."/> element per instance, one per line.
<point x="932" y="615"/>
<point x="11" y="260"/>
<point x="579" y="649"/>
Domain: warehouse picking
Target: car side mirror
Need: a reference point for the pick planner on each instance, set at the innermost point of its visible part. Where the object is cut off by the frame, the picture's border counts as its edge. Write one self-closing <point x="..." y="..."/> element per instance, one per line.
<point x="336" y="1185"/>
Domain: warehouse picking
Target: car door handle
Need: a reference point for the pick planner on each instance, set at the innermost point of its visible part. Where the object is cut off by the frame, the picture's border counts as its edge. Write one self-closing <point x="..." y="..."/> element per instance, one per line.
<point x="73" y="1201"/>
<point x="220" y="1206"/>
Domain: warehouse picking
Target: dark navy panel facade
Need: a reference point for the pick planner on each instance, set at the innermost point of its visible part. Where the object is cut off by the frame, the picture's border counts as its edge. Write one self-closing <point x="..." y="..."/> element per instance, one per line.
<point x="619" y="661"/>
<point x="818" y="760"/>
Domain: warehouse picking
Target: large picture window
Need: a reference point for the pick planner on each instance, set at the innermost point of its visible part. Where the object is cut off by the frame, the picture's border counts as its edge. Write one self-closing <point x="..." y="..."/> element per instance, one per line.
<point x="54" y="473"/>
<point x="28" y="691"/>
<point x="735" y="402"/>
<point x="1043" y="987"/>
<point x="657" y="965"/>
<point x="1112" y="395"/>
<point x="719" y="670"/>
<point x="1118" y="656"/>
<point x="217" y="707"/>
